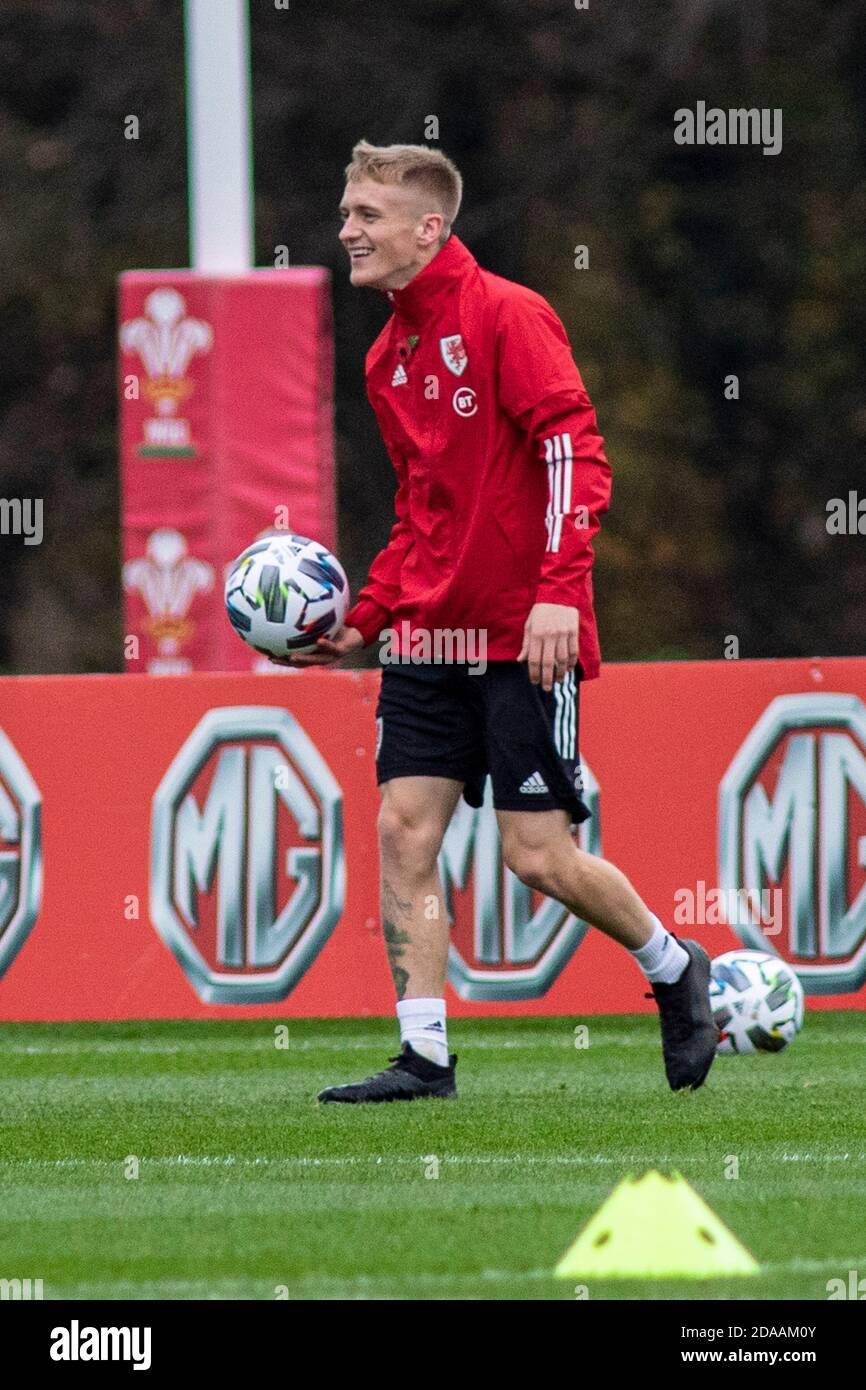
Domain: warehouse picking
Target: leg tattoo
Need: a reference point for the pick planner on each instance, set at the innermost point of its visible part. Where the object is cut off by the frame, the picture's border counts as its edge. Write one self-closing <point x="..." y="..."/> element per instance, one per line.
<point x="395" y="937"/>
<point x="395" y="940"/>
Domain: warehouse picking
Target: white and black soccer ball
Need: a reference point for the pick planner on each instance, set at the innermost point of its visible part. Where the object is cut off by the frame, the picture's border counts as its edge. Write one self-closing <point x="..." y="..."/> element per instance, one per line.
<point x="757" y="1001"/>
<point x="284" y="592"/>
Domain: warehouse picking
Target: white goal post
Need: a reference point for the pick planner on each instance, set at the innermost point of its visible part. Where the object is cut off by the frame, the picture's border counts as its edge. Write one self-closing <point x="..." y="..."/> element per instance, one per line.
<point x="219" y="136"/>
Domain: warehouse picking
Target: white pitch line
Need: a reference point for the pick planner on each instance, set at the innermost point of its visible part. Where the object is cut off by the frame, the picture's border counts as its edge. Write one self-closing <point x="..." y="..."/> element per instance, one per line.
<point x="305" y="1045"/>
<point x="836" y="1262"/>
<point x="376" y="1160"/>
<point x="266" y="1044"/>
<point x="137" y="1289"/>
<point x="335" y="1161"/>
<point x="821" y="1158"/>
<point x="362" y="1282"/>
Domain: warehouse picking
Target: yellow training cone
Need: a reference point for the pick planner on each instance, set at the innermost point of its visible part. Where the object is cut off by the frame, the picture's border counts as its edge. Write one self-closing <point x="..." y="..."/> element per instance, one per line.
<point x="655" y="1227"/>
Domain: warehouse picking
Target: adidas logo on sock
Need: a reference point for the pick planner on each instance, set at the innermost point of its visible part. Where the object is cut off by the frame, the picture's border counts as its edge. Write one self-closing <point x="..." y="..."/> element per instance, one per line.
<point x="534" y="783"/>
<point x="399" y="378"/>
<point x="434" y="1027"/>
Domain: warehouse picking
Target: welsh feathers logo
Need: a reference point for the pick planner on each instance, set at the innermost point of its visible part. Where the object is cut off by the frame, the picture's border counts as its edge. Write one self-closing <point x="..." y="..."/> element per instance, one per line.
<point x="454" y="354"/>
<point x="166" y="341"/>
<point x="168" y="578"/>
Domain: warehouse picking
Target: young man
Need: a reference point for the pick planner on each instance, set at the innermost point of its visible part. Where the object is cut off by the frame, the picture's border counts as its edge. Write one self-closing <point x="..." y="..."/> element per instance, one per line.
<point x="501" y="480"/>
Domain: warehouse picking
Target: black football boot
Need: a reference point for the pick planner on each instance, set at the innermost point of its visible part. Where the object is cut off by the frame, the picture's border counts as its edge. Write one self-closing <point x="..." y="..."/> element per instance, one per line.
<point x="410" y="1077"/>
<point x="689" y="1035"/>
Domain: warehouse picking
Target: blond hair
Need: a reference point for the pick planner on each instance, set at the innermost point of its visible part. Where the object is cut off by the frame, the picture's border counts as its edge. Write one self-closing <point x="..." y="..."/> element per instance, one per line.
<point x="418" y="166"/>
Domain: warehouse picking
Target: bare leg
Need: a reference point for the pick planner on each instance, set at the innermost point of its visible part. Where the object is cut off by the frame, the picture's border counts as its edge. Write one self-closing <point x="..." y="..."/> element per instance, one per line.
<point x="539" y="849"/>
<point x="413" y="818"/>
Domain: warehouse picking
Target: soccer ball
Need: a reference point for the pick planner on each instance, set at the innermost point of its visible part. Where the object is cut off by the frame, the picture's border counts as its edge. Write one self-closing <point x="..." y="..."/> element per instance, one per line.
<point x="284" y="592"/>
<point x="757" y="1001"/>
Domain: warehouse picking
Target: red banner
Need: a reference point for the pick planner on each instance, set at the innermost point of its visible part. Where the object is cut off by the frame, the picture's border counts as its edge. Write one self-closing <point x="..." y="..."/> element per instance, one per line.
<point x="204" y="846"/>
<point x="226" y="433"/>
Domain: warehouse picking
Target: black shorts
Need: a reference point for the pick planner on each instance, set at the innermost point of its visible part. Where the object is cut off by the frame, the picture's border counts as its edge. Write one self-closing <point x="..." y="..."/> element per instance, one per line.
<point x="443" y="721"/>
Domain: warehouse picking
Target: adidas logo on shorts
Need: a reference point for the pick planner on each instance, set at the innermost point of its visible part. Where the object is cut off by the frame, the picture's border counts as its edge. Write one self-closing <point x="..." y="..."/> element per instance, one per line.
<point x="535" y="783"/>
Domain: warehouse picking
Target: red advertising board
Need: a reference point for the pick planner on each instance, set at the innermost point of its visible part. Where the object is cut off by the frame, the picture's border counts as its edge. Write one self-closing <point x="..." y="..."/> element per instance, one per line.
<point x="205" y="845"/>
<point x="226" y="432"/>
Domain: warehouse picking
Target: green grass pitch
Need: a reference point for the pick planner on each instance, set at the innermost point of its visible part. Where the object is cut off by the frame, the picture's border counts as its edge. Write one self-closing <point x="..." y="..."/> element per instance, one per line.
<point x="247" y="1189"/>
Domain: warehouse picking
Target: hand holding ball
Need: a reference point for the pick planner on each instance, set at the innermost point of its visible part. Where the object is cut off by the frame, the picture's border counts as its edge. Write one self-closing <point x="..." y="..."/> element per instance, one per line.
<point x="284" y="593"/>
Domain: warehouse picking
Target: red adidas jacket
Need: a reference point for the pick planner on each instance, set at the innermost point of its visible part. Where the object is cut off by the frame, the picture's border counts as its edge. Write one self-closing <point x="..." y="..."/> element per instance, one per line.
<point x="501" y="469"/>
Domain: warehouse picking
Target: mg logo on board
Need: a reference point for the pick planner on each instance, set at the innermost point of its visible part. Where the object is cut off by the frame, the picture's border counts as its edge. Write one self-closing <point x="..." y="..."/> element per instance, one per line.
<point x="20" y="853"/>
<point x="247" y="858"/>
<point x="792" y="814"/>
<point x="507" y="942"/>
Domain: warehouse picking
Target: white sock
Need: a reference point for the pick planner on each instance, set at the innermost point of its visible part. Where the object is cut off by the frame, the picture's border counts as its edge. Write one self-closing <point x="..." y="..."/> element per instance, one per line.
<point x="422" y="1023"/>
<point x="662" y="959"/>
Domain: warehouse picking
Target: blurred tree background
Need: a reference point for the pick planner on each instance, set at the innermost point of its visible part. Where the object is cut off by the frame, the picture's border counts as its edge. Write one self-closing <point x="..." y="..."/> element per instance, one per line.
<point x="703" y="262"/>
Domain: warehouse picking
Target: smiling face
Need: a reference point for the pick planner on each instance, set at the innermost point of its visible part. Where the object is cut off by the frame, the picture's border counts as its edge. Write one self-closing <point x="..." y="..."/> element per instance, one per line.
<point x="388" y="233"/>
